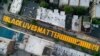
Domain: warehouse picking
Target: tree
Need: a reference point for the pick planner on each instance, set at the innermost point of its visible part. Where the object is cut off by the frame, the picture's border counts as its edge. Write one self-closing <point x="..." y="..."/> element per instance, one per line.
<point x="11" y="0"/>
<point x="5" y="1"/>
<point x="43" y="4"/>
<point x="97" y="54"/>
<point x="56" y="40"/>
<point x="73" y="46"/>
<point x="25" y="2"/>
<point x="9" y="24"/>
<point x="34" y="22"/>
<point x="80" y="11"/>
<point x="0" y="1"/>
<point x="96" y="21"/>
<point x="68" y="9"/>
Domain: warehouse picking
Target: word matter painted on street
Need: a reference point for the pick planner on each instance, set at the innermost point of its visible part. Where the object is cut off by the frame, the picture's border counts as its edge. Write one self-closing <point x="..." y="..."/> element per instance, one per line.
<point x="51" y="33"/>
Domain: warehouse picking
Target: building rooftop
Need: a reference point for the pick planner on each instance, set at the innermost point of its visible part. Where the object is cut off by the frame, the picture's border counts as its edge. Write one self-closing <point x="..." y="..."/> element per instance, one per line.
<point x="97" y="11"/>
<point x="74" y="2"/>
<point x="61" y="51"/>
<point x="30" y="9"/>
<point x="85" y="3"/>
<point x="54" y="1"/>
<point x="76" y="23"/>
<point x="95" y="31"/>
<point x="52" y="17"/>
<point x="16" y="6"/>
<point x="63" y="2"/>
<point x="3" y="45"/>
<point x="36" y="45"/>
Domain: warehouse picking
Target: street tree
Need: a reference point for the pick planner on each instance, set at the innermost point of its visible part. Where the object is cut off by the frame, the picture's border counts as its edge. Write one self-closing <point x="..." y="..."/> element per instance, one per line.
<point x="43" y="4"/>
<point x="68" y="9"/>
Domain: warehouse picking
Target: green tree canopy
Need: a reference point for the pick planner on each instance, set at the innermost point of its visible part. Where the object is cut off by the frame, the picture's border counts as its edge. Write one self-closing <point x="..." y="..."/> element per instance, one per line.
<point x="34" y="22"/>
<point x="43" y="4"/>
<point x="80" y="10"/>
<point x="96" y="21"/>
<point x="97" y="54"/>
<point x="68" y="9"/>
<point x="9" y="24"/>
<point x="5" y="1"/>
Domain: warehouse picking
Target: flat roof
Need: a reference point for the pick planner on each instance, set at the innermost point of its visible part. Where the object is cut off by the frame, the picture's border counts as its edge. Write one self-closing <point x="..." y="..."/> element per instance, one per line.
<point x="54" y="1"/>
<point x="30" y="9"/>
<point x="36" y="45"/>
<point x="97" y="11"/>
<point x="3" y="45"/>
<point x="84" y="3"/>
<point x="74" y="2"/>
<point x="61" y="50"/>
<point x="54" y="18"/>
<point x="95" y="32"/>
<point x="63" y="2"/>
<point x="16" y="6"/>
<point x="75" y="23"/>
